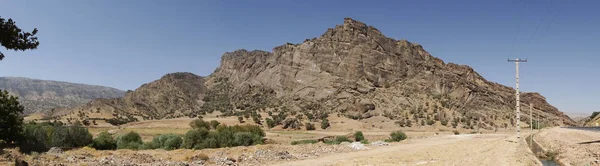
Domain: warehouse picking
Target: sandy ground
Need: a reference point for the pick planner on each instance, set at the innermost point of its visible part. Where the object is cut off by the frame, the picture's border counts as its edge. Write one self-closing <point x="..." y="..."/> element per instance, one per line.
<point x="567" y="143"/>
<point x="487" y="149"/>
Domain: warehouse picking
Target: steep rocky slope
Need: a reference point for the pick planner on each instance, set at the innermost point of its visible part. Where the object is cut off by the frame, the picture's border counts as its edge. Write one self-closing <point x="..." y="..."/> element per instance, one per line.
<point x="357" y="71"/>
<point x="42" y="95"/>
<point x="352" y="70"/>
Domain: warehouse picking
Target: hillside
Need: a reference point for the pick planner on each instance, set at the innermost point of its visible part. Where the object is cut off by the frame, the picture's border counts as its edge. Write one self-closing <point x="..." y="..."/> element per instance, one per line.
<point x="43" y="95"/>
<point x="352" y="70"/>
<point x="173" y="95"/>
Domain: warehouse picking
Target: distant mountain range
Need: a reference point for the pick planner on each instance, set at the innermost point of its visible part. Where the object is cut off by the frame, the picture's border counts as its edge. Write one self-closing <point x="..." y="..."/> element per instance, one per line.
<point x="40" y="95"/>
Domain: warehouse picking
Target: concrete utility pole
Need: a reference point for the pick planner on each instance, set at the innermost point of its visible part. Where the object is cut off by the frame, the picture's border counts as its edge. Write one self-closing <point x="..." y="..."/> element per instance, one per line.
<point x="518" y="111"/>
<point x="531" y="116"/>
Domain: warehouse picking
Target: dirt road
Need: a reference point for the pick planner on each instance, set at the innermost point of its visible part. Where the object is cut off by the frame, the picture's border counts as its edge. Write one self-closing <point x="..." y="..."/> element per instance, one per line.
<point x="487" y="149"/>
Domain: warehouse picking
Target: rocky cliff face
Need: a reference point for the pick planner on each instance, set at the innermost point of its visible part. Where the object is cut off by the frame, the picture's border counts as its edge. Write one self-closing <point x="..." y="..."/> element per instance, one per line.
<point x="43" y="95"/>
<point x="355" y="70"/>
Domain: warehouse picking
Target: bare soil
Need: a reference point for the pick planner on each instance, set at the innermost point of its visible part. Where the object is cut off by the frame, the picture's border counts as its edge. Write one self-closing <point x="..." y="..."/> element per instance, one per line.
<point x="568" y="144"/>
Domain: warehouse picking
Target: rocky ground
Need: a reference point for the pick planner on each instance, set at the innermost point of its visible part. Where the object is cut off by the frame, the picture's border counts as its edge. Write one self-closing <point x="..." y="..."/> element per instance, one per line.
<point x="467" y="149"/>
<point x="571" y="145"/>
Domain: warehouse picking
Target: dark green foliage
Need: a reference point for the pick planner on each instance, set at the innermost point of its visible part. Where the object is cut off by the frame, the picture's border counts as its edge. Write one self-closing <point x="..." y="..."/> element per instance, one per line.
<point x="194" y="138"/>
<point x="13" y="38"/>
<point x="342" y="139"/>
<point x="538" y="125"/>
<point x="358" y="136"/>
<point x="270" y="122"/>
<point x="223" y="136"/>
<point x="40" y="137"/>
<point x="104" y="141"/>
<point x="310" y="126"/>
<point x="120" y="120"/>
<point x="338" y="140"/>
<point x="444" y="122"/>
<point x="165" y="141"/>
<point x="430" y="122"/>
<point x="243" y="138"/>
<point x="11" y="121"/>
<point x="397" y="136"/>
<point x="199" y="123"/>
<point x="308" y="141"/>
<point x="214" y="124"/>
<point x="325" y="123"/>
<point x="131" y="140"/>
<point x="364" y="141"/>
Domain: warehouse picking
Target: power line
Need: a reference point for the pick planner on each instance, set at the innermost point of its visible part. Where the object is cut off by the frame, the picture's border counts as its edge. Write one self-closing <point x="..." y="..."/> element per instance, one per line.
<point x="547" y="13"/>
<point x="518" y="27"/>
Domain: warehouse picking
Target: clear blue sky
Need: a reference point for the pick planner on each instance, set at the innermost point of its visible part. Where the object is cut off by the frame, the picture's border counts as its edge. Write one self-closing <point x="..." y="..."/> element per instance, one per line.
<point x="124" y="44"/>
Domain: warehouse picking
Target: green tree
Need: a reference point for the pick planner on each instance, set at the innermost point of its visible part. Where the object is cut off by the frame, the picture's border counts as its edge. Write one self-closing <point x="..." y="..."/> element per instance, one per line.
<point x="214" y="124"/>
<point x="131" y="140"/>
<point x="324" y="123"/>
<point x="270" y="122"/>
<point x="13" y="38"/>
<point x="10" y="114"/>
<point x="104" y="141"/>
<point x="358" y="136"/>
<point x="397" y="136"/>
<point x="309" y="126"/>
<point x="199" y="123"/>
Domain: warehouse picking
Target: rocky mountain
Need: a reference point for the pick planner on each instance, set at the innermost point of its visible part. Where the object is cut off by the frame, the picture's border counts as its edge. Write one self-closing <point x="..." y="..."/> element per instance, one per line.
<point x="355" y="70"/>
<point x="352" y="70"/>
<point x="40" y="95"/>
<point x="173" y="95"/>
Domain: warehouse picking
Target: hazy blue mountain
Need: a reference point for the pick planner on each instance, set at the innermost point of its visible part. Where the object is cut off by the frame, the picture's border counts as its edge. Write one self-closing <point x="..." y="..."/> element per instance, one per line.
<point x="38" y="95"/>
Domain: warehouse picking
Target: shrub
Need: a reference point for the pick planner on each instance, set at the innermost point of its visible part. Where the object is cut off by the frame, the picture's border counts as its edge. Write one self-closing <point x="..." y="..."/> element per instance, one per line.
<point x="444" y="122"/>
<point x="310" y="126"/>
<point x="243" y="139"/>
<point x="104" y="141"/>
<point x="165" y="141"/>
<point x="224" y="136"/>
<point x="397" y="136"/>
<point x="430" y="122"/>
<point x="342" y="139"/>
<point x="194" y="138"/>
<point x="199" y="123"/>
<point x="131" y="140"/>
<point x="40" y="137"/>
<point x="408" y="123"/>
<point x="364" y="141"/>
<point x="270" y="122"/>
<point x="456" y="132"/>
<point x="358" y="136"/>
<point x="214" y="124"/>
<point x="325" y="123"/>
<point x="241" y="119"/>
<point x="308" y="141"/>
